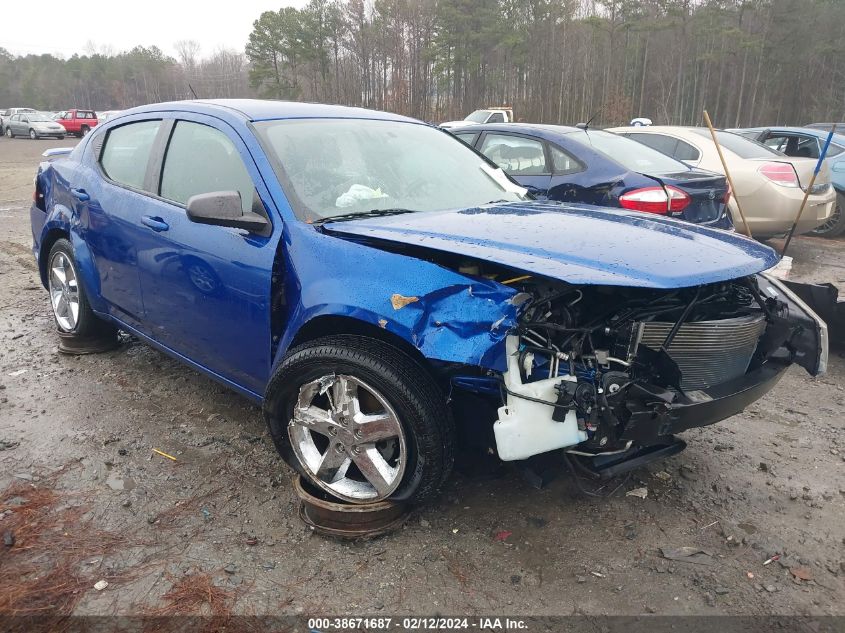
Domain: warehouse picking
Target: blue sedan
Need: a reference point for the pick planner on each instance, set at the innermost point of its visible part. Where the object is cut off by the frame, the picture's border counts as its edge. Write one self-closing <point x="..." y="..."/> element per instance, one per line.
<point x="572" y="164"/>
<point x="808" y="142"/>
<point x="385" y="293"/>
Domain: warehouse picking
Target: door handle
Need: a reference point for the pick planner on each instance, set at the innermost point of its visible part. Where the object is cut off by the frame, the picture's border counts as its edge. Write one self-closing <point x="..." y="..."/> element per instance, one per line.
<point x="156" y="224"/>
<point x="80" y="194"/>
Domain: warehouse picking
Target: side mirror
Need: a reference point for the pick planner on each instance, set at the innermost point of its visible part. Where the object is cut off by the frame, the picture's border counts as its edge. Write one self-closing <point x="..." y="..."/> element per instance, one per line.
<point x="223" y="208"/>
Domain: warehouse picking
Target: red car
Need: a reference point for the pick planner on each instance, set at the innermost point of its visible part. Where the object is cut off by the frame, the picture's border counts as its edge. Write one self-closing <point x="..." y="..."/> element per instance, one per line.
<point x="78" y="122"/>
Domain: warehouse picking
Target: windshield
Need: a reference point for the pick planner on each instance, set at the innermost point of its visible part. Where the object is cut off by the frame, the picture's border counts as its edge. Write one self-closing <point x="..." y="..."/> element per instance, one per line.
<point x="38" y="118"/>
<point x="337" y="167"/>
<point x="629" y="153"/>
<point x="739" y="145"/>
<point x="479" y="116"/>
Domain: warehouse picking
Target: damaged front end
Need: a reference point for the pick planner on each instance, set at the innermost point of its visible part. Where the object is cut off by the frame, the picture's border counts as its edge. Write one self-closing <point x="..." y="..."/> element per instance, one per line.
<point x="612" y="373"/>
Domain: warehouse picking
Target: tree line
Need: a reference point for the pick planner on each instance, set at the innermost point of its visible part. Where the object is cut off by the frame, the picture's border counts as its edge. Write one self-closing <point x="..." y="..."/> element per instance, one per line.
<point x="557" y="61"/>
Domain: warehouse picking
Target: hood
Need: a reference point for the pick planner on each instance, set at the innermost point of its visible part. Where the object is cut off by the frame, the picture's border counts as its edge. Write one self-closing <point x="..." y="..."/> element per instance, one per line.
<point x="578" y="244"/>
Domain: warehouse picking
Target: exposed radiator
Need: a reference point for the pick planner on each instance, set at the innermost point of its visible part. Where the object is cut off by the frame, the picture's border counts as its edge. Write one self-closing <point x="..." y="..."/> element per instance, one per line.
<point x="708" y="352"/>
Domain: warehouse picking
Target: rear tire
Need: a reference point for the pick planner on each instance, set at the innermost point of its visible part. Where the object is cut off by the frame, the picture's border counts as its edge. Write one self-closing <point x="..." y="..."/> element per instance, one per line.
<point x="307" y="410"/>
<point x="83" y="131"/>
<point x="835" y="226"/>
<point x="69" y="301"/>
<point x="9" y="133"/>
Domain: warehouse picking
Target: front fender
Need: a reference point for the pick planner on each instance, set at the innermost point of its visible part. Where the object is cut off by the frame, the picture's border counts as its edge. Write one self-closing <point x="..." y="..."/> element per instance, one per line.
<point x="446" y="315"/>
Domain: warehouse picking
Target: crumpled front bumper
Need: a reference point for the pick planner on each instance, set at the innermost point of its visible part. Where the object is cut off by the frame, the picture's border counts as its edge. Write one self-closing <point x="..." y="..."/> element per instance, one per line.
<point x="648" y="424"/>
<point x="658" y="413"/>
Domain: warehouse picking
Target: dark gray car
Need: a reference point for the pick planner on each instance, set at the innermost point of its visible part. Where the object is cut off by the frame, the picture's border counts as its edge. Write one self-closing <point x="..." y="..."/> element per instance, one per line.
<point x="34" y="125"/>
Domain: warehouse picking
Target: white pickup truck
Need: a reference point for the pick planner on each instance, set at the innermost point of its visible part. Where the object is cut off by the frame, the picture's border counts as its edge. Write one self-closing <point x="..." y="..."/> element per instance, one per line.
<point x="488" y="115"/>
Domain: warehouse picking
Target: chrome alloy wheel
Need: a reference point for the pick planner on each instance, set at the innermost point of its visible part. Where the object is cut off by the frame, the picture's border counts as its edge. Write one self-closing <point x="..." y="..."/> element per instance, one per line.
<point x="348" y="438"/>
<point x="64" y="292"/>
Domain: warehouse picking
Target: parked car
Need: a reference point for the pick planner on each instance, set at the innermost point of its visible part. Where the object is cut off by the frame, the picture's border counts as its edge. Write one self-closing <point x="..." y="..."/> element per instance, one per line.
<point x="78" y="122"/>
<point x="571" y="164"/>
<point x="768" y="183"/>
<point x="34" y="125"/>
<point x="377" y="287"/>
<point x="489" y="115"/>
<point x="104" y="116"/>
<point x="6" y="114"/>
<point x="807" y="143"/>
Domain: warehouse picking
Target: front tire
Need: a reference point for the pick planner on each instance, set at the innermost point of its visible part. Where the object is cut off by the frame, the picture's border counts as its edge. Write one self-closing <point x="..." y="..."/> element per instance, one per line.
<point x="835" y="225"/>
<point x="361" y="420"/>
<point x="33" y="135"/>
<point x="68" y="300"/>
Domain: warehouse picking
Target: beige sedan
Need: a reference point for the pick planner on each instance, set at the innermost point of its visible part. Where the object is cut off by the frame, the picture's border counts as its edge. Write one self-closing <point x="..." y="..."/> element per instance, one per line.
<point x="769" y="185"/>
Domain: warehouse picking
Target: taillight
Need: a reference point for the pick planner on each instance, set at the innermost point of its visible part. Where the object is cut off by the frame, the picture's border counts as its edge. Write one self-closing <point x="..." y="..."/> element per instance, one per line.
<point x="655" y="200"/>
<point x="782" y="174"/>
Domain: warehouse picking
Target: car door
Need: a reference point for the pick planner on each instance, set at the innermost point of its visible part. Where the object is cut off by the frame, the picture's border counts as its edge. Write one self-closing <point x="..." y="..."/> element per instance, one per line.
<point x="21" y="125"/>
<point x="207" y="288"/>
<point x="112" y="200"/>
<point x="523" y="158"/>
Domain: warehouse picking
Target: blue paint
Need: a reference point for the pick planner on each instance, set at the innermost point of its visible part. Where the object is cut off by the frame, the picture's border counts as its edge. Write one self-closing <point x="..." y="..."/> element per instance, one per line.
<point x="603" y="179"/>
<point x="578" y="244"/>
<point x="203" y="293"/>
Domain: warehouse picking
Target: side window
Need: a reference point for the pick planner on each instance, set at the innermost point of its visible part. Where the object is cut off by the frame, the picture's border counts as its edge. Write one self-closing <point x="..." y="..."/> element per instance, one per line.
<point x="517" y="155"/>
<point x="126" y="152"/>
<point x="808" y="147"/>
<point x="685" y="151"/>
<point x="496" y="117"/>
<point x="564" y="162"/>
<point x="202" y="159"/>
<point x="467" y="137"/>
<point x="662" y="143"/>
<point x="776" y="142"/>
<point x="835" y="150"/>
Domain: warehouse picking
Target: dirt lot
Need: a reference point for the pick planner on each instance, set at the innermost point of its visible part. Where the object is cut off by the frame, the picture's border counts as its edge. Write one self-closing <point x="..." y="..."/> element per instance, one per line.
<point x="79" y="432"/>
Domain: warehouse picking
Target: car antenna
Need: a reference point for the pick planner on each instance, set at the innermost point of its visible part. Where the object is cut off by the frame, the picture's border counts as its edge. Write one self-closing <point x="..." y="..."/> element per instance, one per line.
<point x="584" y="126"/>
<point x="193" y="92"/>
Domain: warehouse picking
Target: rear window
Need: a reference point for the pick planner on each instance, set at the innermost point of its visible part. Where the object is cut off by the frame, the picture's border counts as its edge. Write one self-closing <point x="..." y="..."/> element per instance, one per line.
<point x="739" y="145"/>
<point x="126" y="152"/>
<point x="629" y="153"/>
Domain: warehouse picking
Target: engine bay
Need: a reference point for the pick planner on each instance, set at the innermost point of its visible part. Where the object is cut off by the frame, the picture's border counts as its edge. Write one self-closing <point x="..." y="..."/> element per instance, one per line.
<point x="584" y="360"/>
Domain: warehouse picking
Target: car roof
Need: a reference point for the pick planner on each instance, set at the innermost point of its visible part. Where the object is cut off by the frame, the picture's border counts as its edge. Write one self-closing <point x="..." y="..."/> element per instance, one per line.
<point x="267" y="110"/>
<point x="543" y="130"/>
<point x="839" y="138"/>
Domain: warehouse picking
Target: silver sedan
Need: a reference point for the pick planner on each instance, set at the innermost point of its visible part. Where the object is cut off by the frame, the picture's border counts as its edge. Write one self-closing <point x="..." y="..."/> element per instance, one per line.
<point x="33" y="125"/>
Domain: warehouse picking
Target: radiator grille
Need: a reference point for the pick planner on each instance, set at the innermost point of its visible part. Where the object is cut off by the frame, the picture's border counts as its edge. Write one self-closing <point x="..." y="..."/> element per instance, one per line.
<point x="709" y="352"/>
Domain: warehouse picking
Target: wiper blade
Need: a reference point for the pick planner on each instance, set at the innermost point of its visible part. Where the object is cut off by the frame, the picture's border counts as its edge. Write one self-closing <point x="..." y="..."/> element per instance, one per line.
<point x="372" y="213"/>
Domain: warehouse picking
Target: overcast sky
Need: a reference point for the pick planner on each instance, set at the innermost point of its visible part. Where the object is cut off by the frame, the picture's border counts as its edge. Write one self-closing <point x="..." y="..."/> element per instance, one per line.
<point x="64" y="28"/>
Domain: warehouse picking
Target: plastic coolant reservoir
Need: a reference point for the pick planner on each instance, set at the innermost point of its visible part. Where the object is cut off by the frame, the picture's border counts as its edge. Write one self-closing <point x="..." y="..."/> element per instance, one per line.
<point x="526" y="428"/>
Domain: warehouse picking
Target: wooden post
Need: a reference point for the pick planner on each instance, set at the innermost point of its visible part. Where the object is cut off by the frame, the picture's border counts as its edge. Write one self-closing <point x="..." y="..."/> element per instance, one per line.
<point x="727" y="172"/>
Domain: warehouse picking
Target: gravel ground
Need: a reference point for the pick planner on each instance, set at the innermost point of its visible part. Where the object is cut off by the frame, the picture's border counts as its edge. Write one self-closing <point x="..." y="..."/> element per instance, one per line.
<point x="767" y="482"/>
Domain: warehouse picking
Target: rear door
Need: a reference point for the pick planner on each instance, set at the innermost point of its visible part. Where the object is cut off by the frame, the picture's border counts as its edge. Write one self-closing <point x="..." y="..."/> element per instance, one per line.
<point x="523" y="158"/>
<point x="113" y="201"/>
<point x="207" y="288"/>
